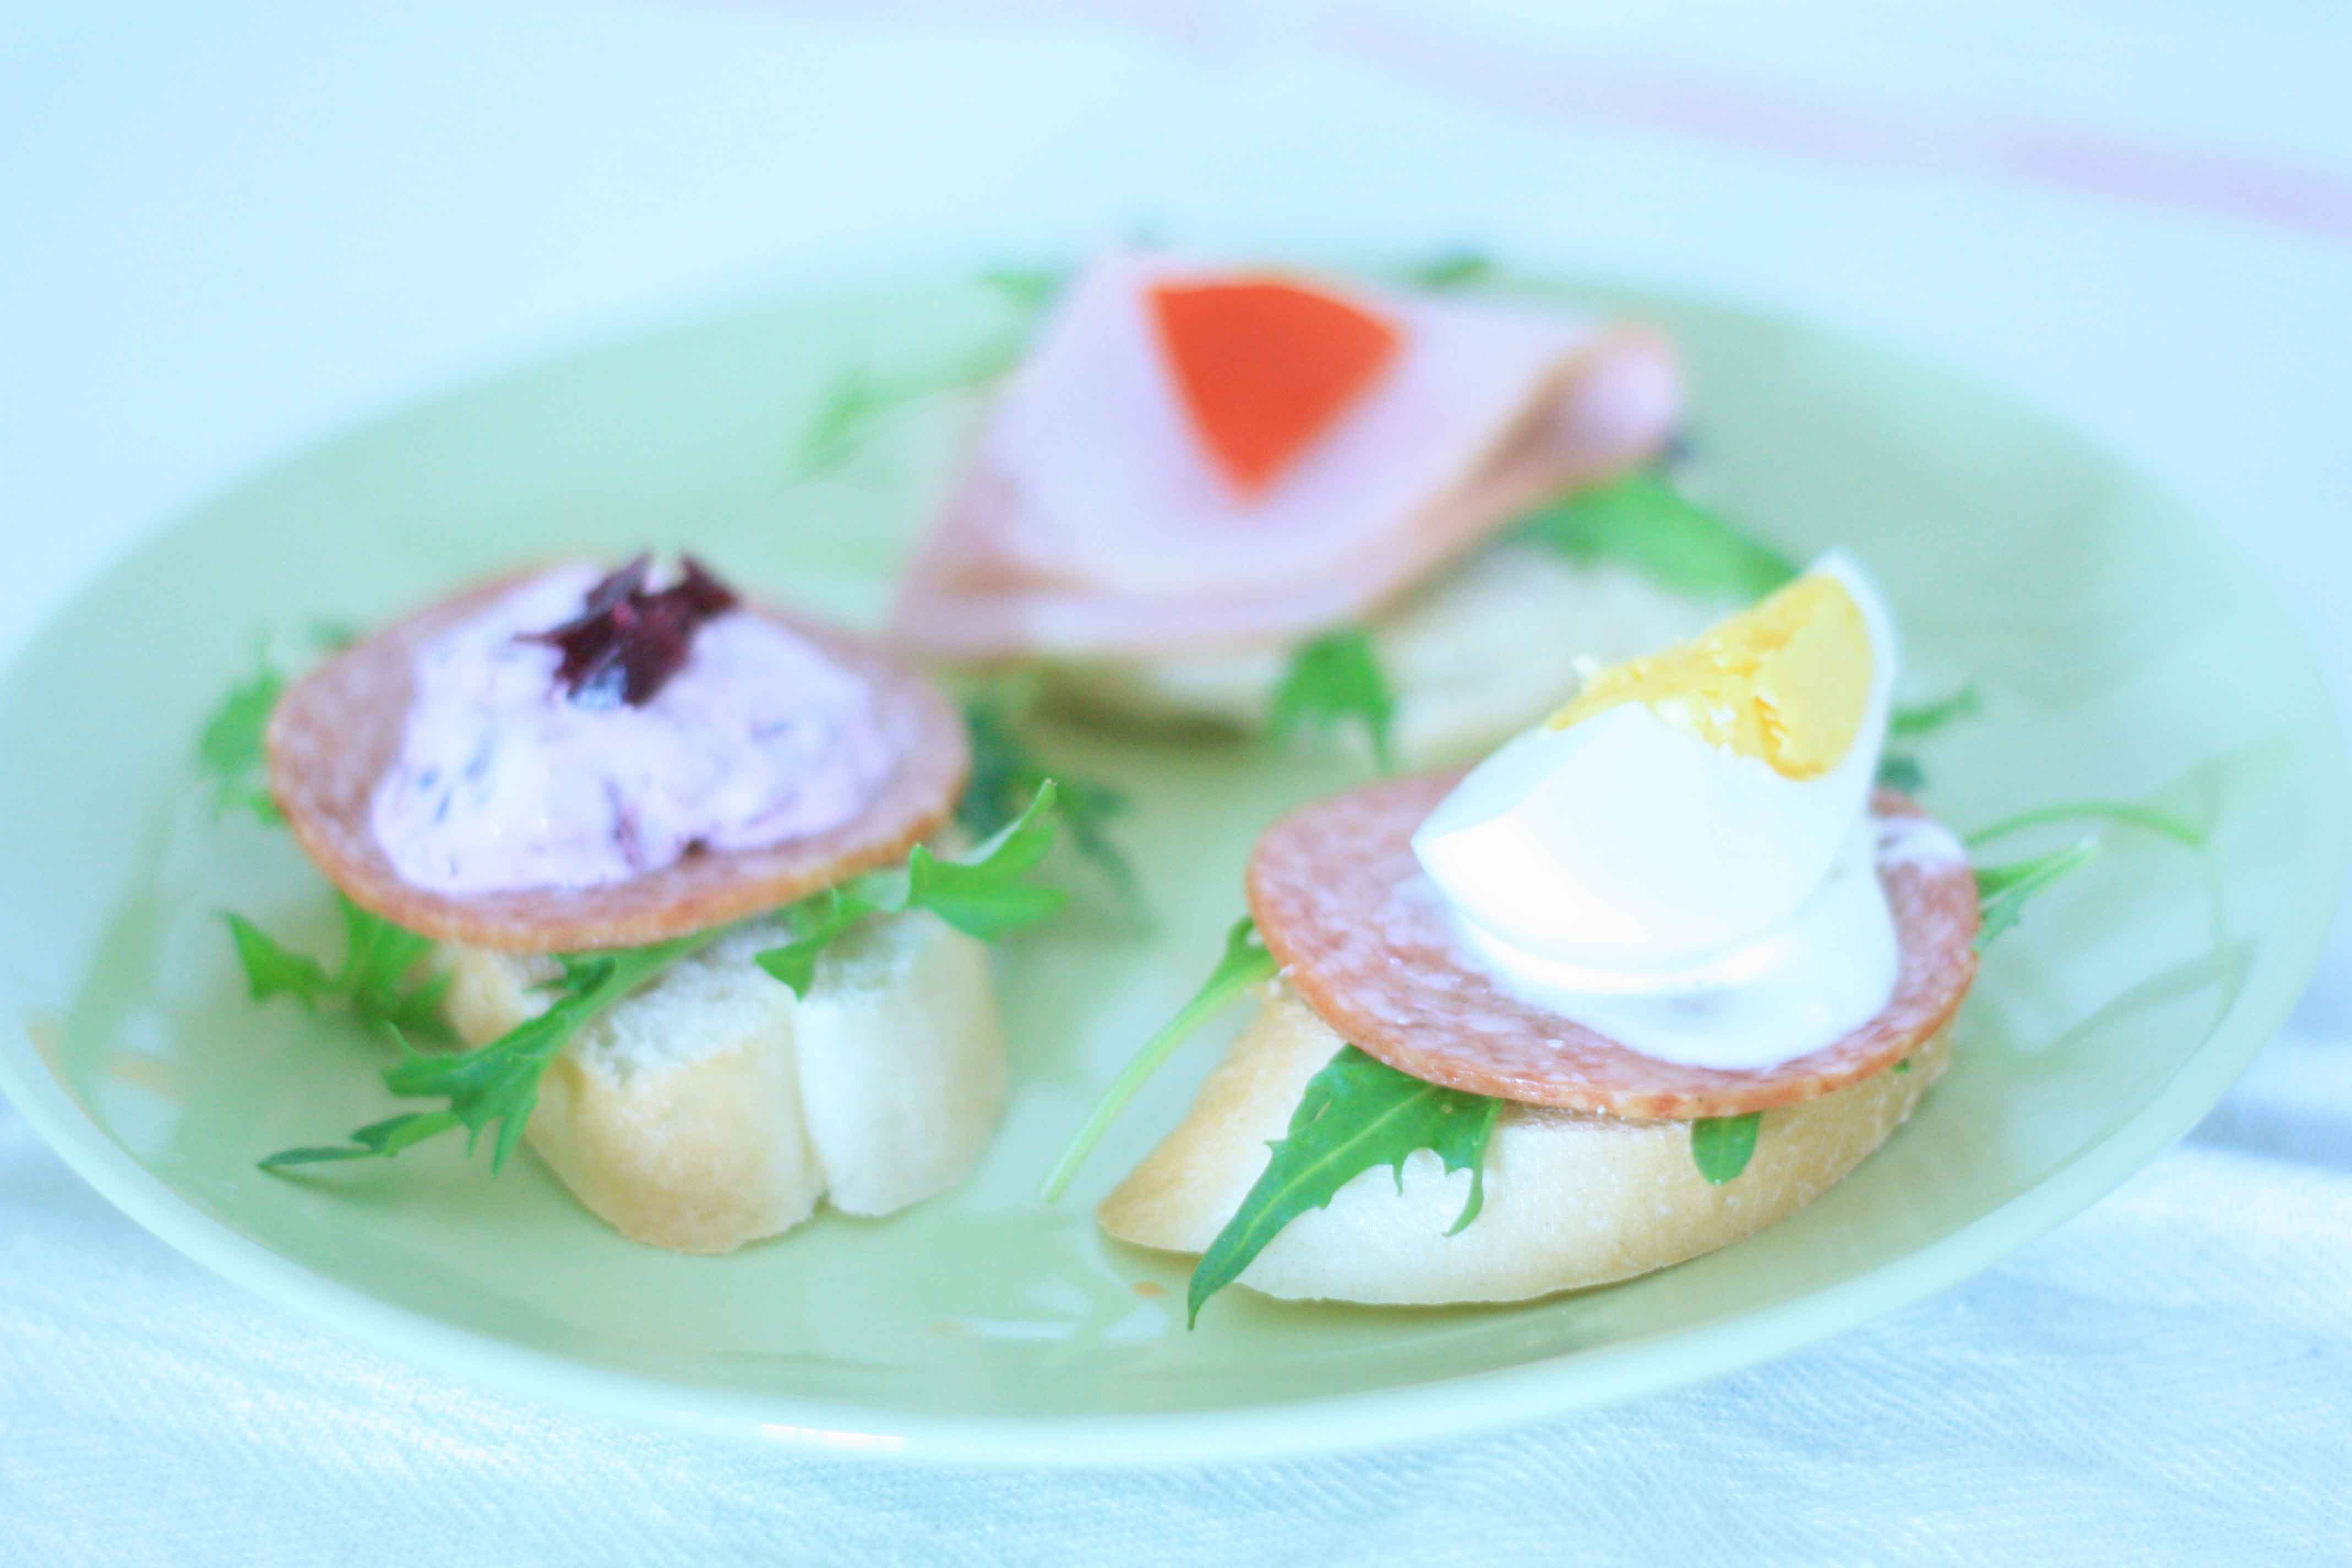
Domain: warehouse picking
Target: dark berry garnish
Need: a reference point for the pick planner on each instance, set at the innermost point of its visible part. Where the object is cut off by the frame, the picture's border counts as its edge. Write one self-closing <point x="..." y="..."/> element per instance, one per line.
<point x="624" y="643"/>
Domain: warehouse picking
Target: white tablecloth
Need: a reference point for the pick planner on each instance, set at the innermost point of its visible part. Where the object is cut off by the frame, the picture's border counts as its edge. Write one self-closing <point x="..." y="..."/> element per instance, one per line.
<point x="226" y="232"/>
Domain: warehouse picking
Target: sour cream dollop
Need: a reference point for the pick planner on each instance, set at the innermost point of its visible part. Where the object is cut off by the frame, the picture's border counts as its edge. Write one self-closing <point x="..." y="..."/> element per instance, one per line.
<point x="1683" y="860"/>
<point x="504" y="781"/>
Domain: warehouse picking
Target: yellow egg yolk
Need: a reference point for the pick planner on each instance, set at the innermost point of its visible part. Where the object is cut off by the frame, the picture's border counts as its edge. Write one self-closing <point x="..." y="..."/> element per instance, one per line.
<point x="1787" y="682"/>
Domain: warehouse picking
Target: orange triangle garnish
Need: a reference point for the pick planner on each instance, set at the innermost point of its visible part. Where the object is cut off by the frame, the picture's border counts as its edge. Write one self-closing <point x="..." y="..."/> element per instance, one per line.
<point x="1265" y="367"/>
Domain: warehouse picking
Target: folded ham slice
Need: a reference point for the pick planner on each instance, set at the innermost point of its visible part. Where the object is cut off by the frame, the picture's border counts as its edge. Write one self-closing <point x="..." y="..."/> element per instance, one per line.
<point x="1090" y="518"/>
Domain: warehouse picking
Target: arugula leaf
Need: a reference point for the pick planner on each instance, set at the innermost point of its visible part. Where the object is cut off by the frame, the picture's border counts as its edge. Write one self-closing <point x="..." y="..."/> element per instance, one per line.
<point x="1357" y="1113"/>
<point x="982" y="894"/>
<point x="376" y="1139"/>
<point x="980" y="897"/>
<point x="1337" y="678"/>
<point x="2129" y="814"/>
<point x="857" y="401"/>
<point x="1927" y="718"/>
<point x="814" y="923"/>
<point x="1901" y="773"/>
<point x="379" y="958"/>
<point x="1245" y="963"/>
<point x="1721" y="1146"/>
<point x="2001" y="890"/>
<point x="270" y="969"/>
<point x="1006" y="775"/>
<point x="850" y="403"/>
<point x="498" y="1082"/>
<point x="1452" y="270"/>
<point x="1030" y="288"/>
<point x="232" y="750"/>
<point x="1650" y="526"/>
<point x="331" y="634"/>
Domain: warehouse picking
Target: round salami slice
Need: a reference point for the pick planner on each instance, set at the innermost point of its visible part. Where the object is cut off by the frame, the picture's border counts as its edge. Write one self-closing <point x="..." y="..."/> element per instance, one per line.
<point x="1331" y="887"/>
<point x="337" y="732"/>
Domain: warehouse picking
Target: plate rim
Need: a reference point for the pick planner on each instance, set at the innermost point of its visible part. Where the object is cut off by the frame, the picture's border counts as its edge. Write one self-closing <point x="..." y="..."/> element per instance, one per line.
<point x="1328" y="1424"/>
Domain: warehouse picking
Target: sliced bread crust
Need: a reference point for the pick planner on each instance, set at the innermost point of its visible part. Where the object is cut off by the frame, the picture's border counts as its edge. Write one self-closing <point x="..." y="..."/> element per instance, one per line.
<point x="1488" y="648"/>
<point x="714" y="1108"/>
<point x="1571" y="1200"/>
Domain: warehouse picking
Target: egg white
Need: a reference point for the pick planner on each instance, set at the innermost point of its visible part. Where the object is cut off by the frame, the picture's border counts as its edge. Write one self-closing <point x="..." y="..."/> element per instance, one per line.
<point x="1686" y="901"/>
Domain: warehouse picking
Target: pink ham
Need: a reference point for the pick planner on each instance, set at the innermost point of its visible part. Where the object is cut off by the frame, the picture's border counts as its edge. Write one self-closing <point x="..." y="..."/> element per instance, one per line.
<point x="1089" y="521"/>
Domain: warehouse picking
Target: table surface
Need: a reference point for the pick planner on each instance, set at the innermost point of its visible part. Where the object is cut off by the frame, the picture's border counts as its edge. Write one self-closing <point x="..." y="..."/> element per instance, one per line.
<point x="231" y="232"/>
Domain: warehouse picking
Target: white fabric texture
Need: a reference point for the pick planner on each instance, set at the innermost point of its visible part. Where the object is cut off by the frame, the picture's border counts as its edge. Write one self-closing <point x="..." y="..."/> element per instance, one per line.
<point x="235" y="225"/>
<point x="2166" y="1379"/>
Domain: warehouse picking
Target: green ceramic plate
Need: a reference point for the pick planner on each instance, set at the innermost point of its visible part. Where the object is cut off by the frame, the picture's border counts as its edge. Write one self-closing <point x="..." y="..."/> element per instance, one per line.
<point x="2121" y="649"/>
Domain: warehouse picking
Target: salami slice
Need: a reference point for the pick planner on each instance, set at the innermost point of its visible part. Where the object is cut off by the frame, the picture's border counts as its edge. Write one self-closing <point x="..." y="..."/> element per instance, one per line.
<point x="337" y="732"/>
<point x="1383" y="970"/>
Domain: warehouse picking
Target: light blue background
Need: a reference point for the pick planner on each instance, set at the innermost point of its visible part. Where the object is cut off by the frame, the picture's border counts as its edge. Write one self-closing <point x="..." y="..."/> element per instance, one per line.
<point x="226" y="230"/>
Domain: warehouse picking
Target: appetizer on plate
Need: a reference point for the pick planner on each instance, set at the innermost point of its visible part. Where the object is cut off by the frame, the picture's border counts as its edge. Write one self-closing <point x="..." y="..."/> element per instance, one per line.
<point x="662" y="861"/>
<point x="1655" y="973"/>
<point x="1250" y="497"/>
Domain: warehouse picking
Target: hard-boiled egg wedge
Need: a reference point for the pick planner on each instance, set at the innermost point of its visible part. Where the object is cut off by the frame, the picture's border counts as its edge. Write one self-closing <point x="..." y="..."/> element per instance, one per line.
<point x="1681" y="857"/>
<point x="1789" y="682"/>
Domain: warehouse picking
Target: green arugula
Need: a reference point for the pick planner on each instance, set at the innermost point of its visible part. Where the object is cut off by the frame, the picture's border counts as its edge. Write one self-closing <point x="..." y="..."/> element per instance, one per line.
<point x="1644" y="523"/>
<point x="499" y="1082"/>
<point x="1246" y="964"/>
<point x="852" y="403"/>
<point x="1029" y="288"/>
<point x="1450" y="270"/>
<point x="1721" y="1146"/>
<point x="332" y="633"/>
<point x="982" y="895"/>
<point x="374" y="979"/>
<point x="1336" y="679"/>
<point x="1901" y="772"/>
<point x="2002" y="890"/>
<point x="274" y="970"/>
<point x="858" y="400"/>
<point x="1357" y="1113"/>
<point x="2128" y="814"/>
<point x="1927" y="718"/>
<point x="1006" y="774"/>
<point x="232" y="749"/>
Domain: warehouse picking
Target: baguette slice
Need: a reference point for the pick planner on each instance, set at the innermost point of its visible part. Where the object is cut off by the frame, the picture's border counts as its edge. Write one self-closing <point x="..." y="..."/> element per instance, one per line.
<point x="1476" y="656"/>
<point x="1572" y="1200"/>
<point x="714" y="1108"/>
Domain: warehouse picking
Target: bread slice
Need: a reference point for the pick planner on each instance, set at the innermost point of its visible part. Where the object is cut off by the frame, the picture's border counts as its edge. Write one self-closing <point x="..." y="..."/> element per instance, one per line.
<point x="1484" y="651"/>
<point x="714" y="1107"/>
<point x="1572" y="1200"/>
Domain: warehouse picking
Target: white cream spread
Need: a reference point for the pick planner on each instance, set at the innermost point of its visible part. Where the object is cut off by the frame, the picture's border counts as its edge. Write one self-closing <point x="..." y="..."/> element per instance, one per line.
<point x="503" y="782"/>
<point x="1690" y="904"/>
